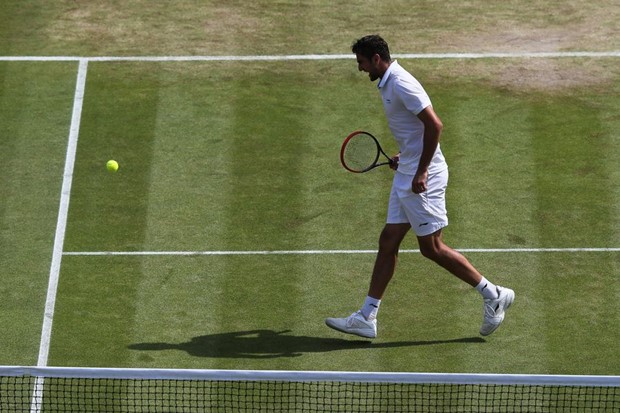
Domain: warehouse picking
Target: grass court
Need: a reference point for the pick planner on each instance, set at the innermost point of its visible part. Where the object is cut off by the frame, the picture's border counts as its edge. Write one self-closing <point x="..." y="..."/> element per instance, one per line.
<point x="170" y="262"/>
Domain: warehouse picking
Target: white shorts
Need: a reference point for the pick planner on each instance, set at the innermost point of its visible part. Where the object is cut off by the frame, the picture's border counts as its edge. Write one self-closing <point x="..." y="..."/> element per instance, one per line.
<point x="426" y="212"/>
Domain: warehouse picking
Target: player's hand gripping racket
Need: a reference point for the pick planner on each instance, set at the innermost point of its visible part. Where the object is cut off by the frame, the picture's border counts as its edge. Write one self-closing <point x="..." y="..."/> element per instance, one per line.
<point x="361" y="152"/>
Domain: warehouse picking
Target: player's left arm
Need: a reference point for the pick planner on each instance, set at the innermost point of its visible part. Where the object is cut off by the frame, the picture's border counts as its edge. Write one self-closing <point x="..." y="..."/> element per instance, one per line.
<point x="432" y="133"/>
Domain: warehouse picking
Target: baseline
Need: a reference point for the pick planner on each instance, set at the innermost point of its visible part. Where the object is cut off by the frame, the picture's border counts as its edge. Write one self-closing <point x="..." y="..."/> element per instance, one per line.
<point x="215" y="58"/>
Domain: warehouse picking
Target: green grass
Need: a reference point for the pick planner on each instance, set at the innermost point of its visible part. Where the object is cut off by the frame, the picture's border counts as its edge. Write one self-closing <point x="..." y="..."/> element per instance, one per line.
<point x="35" y="111"/>
<point x="185" y="27"/>
<point x="243" y="156"/>
<point x="212" y="161"/>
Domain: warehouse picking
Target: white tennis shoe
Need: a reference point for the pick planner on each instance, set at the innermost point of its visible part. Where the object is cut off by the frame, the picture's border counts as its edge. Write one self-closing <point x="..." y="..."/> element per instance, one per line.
<point x="354" y="324"/>
<point x="494" y="310"/>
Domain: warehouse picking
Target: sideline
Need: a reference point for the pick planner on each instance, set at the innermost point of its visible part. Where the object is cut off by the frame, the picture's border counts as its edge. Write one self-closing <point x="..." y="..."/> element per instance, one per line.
<point x="61" y="223"/>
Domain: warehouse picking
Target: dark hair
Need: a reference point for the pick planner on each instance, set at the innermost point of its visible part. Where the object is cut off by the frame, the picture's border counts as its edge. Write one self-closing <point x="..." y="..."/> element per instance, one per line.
<point x="370" y="45"/>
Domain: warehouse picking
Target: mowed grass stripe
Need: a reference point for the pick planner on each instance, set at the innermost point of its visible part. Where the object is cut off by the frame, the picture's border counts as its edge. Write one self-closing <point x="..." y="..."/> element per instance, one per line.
<point x="491" y="160"/>
<point x="611" y="125"/>
<point x="245" y="164"/>
<point x="264" y="198"/>
<point x="118" y="120"/>
<point x="572" y="190"/>
<point x="574" y="201"/>
<point x="340" y="209"/>
<point x="35" y="113"/>
<point x="188" y="196"/>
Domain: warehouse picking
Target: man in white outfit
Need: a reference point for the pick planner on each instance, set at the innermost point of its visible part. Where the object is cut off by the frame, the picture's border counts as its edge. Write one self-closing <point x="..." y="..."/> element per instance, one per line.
<point x="417" y="198"/>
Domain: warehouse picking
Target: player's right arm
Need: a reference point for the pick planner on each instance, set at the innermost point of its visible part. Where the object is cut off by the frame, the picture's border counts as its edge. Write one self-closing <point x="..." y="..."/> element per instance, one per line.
<point x="432" y="132"/>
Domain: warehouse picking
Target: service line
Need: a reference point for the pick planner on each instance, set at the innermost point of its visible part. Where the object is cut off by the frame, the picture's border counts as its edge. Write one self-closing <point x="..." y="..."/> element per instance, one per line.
<point x="324" y="252"/>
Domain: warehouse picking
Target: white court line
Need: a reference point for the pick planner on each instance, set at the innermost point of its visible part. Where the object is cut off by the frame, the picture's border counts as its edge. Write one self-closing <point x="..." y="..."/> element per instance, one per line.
<point x="36" y="400"/>
<point x="63" y="210"/>
<point x="493" y="55"/>
<point x="324" y="252"/>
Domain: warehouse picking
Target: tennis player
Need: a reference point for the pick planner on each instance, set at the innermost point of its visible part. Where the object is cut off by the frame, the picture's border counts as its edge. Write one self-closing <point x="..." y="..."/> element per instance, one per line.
<point x="417" y="199"/>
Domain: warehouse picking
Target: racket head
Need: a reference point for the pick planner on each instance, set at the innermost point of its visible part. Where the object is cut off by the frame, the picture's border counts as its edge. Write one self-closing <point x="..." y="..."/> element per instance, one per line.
<point x="360" y="152"/>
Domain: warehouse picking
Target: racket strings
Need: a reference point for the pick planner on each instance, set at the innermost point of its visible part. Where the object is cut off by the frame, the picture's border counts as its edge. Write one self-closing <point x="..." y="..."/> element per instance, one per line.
<point x="361" y="152"/>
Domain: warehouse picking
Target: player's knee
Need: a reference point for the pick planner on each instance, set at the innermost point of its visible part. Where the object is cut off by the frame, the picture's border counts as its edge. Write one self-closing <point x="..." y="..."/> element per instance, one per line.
<point x="432" y="252"/>
<point x="427" y="252"/>
<point x="389" y="240"/>
<point x="387" y="245"/>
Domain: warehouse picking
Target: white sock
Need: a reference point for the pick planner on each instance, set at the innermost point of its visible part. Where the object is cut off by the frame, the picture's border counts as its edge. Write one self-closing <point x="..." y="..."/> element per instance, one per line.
<point x="370" y="308"/>
<point x="487" y="289"/>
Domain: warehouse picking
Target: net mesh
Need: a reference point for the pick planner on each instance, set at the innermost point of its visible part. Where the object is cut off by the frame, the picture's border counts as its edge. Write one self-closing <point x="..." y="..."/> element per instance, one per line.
<point x="115" y="394"/>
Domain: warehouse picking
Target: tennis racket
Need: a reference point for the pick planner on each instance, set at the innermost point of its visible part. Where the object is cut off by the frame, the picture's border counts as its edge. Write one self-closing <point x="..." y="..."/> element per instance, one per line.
<point x="361" y="152"/>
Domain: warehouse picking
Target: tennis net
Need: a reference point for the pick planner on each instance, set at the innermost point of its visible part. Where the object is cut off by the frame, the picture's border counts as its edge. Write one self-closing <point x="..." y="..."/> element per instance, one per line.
<point x="63" y="389"/>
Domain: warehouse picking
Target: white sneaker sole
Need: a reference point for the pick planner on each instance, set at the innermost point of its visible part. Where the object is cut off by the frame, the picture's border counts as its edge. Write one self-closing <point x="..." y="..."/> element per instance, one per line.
<point x="366" y="333"/>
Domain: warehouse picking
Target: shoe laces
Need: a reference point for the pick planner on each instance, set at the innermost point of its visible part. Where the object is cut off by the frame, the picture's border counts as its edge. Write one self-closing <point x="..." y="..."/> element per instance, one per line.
<point x="489" y="310"/>
<point x="351" y="319"/>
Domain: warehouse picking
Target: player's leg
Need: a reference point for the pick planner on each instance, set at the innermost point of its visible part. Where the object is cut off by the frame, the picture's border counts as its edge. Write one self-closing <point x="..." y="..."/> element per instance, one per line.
<point x="427" y="214"/>
<point x="433" y="248"/>
<point x="364" y="321"/>
<point x="387" y="257"/>
<point x="395" y="230"/>
<point x="496" y="299"/>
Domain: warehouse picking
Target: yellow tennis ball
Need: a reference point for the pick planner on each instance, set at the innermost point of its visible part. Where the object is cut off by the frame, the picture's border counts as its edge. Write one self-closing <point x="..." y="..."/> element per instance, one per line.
<point x="112" y="166"/>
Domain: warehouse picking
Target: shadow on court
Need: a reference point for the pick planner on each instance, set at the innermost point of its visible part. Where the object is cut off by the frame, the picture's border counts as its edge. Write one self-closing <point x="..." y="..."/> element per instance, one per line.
<point x="265" y="344"/>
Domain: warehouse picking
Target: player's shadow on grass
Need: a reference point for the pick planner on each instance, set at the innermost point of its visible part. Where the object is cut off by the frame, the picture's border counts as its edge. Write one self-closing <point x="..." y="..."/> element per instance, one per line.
<point x="265" y="344"/>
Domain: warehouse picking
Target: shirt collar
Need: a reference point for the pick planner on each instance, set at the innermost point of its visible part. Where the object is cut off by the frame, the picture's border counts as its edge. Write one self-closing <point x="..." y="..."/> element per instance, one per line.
<point x="387" y="73"/>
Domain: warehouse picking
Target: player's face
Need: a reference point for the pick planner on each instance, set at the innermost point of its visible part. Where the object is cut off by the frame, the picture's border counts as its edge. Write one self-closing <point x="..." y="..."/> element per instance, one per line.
<point x="370" y="66"/>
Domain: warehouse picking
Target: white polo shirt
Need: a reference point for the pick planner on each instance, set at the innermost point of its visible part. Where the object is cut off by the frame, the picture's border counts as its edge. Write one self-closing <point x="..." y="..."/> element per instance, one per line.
<point x="403" y="99"/>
